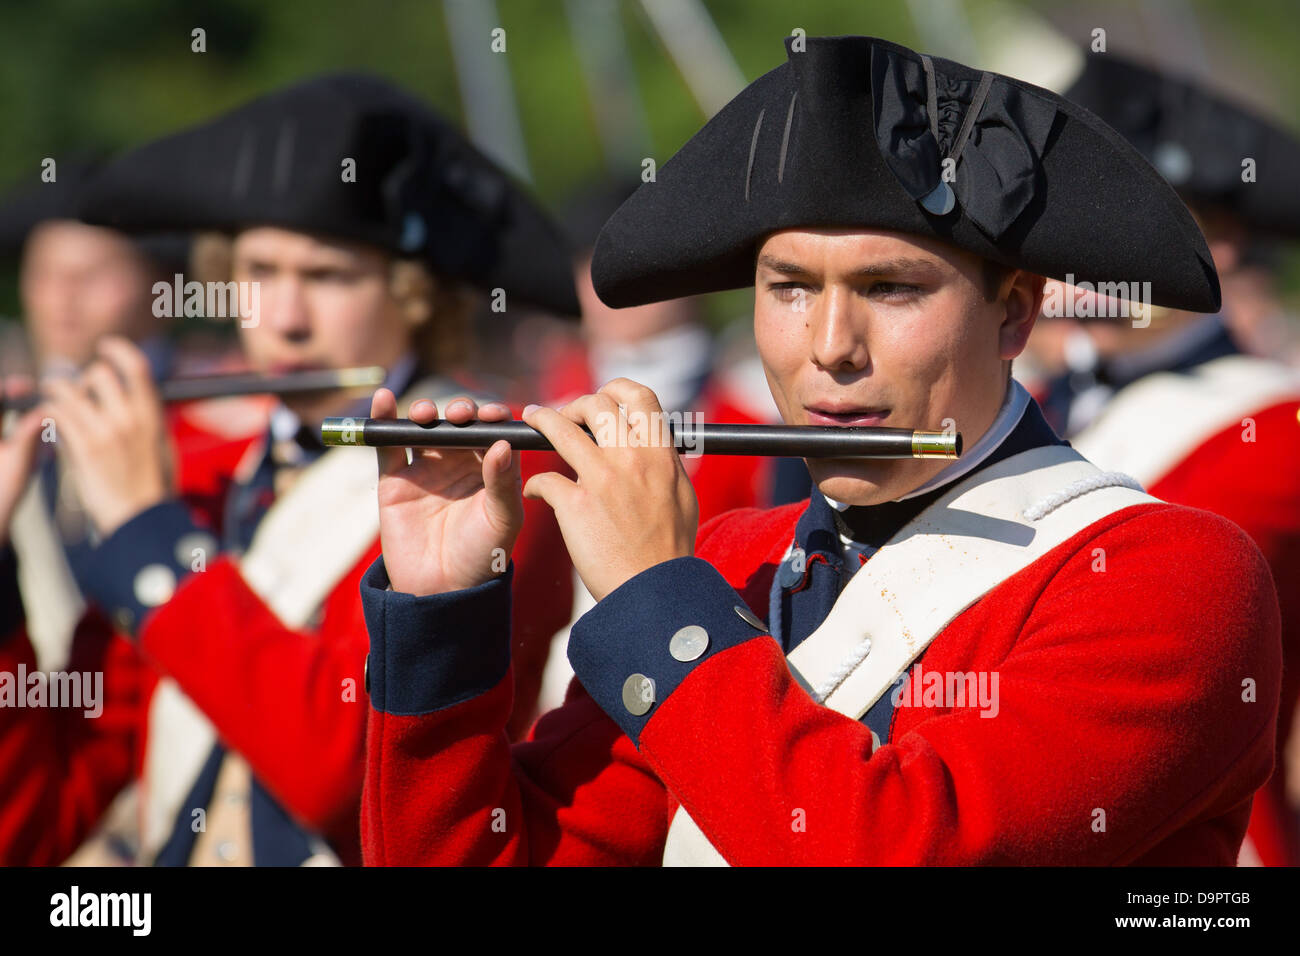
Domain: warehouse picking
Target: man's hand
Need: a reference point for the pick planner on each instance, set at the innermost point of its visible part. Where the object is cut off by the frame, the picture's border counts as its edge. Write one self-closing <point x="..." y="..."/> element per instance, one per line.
<point x="632" y="506"/>
<point x="447" y="520"/>
<point x="17" y="452"/>
<point x="109" y="424"/>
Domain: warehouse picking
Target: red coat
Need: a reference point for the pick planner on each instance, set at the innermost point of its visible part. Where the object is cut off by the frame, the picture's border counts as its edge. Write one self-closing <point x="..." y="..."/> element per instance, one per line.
<point x="273" y="693"/>
<point x="1120" y="692"/>
<point x="1256" y="485"/>
<point x="58" y="770"/>
<point x="1221" y="435"/>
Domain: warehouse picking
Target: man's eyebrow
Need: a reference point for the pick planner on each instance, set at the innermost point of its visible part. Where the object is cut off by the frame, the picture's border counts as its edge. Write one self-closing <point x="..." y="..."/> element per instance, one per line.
<point x="883" y="267"/>
<point x="781" y="265"/>
<point x="894" y="266"/>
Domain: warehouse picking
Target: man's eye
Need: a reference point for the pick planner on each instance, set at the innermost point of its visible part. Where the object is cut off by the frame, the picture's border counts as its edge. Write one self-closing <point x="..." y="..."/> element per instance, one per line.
<point x="340" y="276"/>
<point x="789" y="291"/>
<point x="894" y="290"/>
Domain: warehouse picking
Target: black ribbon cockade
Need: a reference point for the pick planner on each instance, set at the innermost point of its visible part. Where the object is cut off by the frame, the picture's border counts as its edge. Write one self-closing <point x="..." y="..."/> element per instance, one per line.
<point x="996" y="151"/>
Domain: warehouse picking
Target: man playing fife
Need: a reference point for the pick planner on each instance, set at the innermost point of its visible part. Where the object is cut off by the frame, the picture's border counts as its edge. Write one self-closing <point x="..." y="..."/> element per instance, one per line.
<point x="896" y="214"/>
<point x="239" y="713"/>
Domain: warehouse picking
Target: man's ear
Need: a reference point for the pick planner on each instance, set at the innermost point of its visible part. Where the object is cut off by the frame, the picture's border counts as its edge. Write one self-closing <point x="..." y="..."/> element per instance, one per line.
<point x="413" y="287"/>
<point x="1021" y="303"/>
<point x="1224" y="233"/>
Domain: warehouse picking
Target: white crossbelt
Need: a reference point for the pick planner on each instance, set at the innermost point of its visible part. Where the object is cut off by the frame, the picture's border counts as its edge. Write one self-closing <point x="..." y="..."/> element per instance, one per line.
<point x="1153" y="424"/>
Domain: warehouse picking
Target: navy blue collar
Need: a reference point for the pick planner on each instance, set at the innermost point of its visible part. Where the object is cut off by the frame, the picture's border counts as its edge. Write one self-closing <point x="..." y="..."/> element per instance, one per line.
<point x="399" y="379"/>
<point x="1204" y="340"/>
<point x="1201" y="342"/>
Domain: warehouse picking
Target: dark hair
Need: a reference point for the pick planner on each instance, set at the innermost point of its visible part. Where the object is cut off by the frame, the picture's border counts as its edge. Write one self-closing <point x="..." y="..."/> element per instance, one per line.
<point x="994" y="274"/>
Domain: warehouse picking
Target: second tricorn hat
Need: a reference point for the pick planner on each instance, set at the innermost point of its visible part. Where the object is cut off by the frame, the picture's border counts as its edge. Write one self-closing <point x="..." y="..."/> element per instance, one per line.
<point x="353" y="157"/>
<point x="857" y="132"/>
<point x="38" y="201"/>
<point x="1211" y="150"/>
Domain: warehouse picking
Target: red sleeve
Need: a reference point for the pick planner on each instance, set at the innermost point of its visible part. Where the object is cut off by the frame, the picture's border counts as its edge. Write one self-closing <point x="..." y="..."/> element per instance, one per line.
<point x="1250" y="474"/>
<point x="447" y="788"/>
<point x="444" y="786"/>
<point x="60" y="769"/>
<point x="1123" y="694"/>
<point x="290" y="701"/>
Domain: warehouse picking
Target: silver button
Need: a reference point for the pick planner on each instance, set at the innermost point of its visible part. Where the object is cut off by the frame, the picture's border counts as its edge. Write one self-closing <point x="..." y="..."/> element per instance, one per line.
<point x="689" y="643"/>
<point x="638" y="694"/>
<point x="227" y="851"/>
<point x="154" y="585"/>
<point x="749" y="617"/>
<point x="199" y="541"/>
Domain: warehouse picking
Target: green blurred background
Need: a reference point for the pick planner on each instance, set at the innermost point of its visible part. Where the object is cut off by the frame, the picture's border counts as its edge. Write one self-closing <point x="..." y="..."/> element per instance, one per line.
<point x="78" y="75"/>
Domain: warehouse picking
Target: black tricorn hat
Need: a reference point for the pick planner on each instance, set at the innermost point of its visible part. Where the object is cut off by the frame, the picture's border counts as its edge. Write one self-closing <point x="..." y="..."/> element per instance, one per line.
<point x="353" y="157"/>
<point x="29" y="204"/>
<point x="853" y="132"/>
<point x="1198" y="140"/>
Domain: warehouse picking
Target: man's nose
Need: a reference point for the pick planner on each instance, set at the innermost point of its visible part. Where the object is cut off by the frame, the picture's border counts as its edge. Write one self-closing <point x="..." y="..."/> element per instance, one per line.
<point x="839" y="332"/>
<point x="61" y="298"/>
<point x="285" y="308"/>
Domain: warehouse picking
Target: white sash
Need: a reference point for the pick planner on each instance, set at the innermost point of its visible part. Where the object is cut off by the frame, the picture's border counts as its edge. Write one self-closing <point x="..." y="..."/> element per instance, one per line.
<point x="989" y="527"/>
<point x="309" y="539"/>
<point x="52" y="602"/>
<point x="1153" y="424"/>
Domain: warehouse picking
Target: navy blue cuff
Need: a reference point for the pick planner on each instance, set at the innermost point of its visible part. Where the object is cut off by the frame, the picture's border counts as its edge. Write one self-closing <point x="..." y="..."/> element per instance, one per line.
<point x="432" y="652"/>
<point x="632" y="635"/>
<point x="140" y="565"/>
<point x="11" y="599"/>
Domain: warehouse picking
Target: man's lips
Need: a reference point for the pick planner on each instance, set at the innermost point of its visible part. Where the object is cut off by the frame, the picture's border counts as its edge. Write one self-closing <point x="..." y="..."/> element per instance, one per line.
<point x="845" y="416"/>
